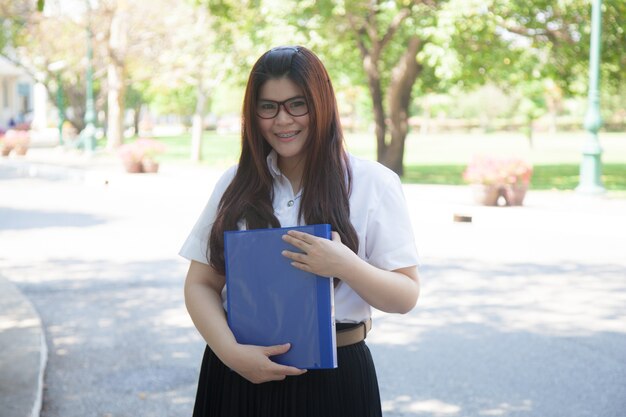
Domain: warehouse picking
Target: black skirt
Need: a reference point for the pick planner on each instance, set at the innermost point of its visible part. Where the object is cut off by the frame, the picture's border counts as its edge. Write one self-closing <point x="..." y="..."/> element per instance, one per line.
<point x="349" y="390"/>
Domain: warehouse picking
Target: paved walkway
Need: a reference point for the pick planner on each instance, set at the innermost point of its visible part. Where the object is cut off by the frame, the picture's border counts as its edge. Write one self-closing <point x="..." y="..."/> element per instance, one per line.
<point x="522" y="312"/>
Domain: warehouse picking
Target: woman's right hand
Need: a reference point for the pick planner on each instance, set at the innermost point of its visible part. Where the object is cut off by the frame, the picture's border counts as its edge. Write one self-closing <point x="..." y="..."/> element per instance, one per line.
<point x="254" y="363"/>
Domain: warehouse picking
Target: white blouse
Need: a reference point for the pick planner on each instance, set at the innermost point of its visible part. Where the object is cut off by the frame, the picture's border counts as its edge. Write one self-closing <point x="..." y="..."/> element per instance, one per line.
<point x="378" y="212"/>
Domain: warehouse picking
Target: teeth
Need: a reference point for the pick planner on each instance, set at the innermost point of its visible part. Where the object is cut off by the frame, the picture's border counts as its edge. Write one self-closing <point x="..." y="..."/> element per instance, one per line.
<point x="286" y="135"/>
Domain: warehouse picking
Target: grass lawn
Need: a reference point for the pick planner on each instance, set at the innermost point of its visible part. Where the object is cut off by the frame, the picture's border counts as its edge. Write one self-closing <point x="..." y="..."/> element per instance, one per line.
<point x="545" y="177"/>
<point x="441" y="159"/>
<point x="220" y="151"/>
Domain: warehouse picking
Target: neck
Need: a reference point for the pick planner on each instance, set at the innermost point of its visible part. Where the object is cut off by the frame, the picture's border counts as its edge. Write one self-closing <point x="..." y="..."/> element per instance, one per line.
<point x="293" y="170"/>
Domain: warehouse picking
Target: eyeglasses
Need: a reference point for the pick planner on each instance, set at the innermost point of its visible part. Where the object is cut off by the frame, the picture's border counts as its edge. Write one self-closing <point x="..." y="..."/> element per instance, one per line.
<point x="295" y="106"/>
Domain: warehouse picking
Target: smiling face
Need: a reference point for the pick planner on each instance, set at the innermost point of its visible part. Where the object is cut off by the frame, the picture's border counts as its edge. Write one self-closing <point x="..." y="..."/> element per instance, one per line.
<point x="285" y="133"/>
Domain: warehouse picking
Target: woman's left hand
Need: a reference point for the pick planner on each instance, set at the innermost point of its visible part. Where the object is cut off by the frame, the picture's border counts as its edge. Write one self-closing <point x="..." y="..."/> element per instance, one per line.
<point x="318" y="255"/>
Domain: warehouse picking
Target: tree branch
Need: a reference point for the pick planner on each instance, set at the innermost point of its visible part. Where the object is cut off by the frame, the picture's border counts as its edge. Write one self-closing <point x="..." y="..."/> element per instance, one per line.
<point x="542" y="33"/>
<point x="394" y="25"/>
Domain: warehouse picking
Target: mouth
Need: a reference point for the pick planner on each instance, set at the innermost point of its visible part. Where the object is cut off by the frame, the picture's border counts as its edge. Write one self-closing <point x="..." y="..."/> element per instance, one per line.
<point x="287" y="136"/>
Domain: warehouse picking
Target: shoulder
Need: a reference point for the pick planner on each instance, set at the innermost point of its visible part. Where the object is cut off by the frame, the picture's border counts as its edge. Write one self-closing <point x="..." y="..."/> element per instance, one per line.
<point x="227" y="177"/>
<point x="371" y="173"/>
<point x="373" y="184"/>
<point x="222" y="183"/>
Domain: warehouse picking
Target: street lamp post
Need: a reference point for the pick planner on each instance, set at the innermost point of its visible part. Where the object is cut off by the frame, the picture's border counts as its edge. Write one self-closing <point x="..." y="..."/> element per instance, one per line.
<point x="89" y="132"/>
<point x="591" y="165"/>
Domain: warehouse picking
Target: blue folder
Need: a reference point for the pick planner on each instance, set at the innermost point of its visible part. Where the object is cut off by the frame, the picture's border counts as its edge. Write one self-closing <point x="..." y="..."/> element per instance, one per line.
<point x="270" y="302"/>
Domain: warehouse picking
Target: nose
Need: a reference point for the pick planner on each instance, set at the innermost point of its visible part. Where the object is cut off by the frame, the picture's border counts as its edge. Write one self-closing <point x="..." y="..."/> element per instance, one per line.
<point x="283" y="115"/>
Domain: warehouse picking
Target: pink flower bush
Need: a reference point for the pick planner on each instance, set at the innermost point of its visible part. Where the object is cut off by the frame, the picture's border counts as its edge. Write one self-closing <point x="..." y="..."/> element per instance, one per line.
<point x="14" y="140"/>
<point x="498" y="171"/>
<point x="14" y="137"/>
<point x="140" y="156"/>
<point x="141" y="149"/>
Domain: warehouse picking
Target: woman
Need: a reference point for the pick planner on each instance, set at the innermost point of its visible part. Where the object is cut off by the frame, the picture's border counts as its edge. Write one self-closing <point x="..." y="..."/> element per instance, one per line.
<point x="293" y="170"/>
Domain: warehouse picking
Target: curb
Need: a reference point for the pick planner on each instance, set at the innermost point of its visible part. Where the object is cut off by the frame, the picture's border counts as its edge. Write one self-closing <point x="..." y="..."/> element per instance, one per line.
<point x="24" y="354"/>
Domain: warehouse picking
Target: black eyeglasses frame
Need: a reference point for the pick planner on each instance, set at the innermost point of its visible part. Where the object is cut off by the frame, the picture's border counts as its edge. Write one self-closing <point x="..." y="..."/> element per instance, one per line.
<point x="282" y="103"/>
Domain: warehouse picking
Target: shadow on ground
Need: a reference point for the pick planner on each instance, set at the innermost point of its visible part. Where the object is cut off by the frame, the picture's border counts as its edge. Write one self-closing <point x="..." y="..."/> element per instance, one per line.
<point x="119" y="338"/>
<point x="13" y="219"/>
<point x="519" y="339"/>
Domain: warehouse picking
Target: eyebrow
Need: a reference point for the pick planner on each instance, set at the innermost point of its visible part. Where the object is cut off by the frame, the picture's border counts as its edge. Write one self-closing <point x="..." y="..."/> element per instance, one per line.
<point x="280" y="101"/>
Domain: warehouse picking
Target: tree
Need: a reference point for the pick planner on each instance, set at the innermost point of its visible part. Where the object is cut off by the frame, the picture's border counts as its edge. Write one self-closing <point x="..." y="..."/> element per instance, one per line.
<point x="198" y="58"/>
<point x="388" y="36"/>
<point x="117" y="50"/>
<point x="227" y="42"/>
<point x="40" y="40"/>
<point x="538" y="48"/>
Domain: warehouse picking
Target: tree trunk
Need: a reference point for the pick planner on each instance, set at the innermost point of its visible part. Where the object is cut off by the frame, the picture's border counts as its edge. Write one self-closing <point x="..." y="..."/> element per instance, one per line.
<point x="115" y="104"/>
<point x="197" y="126"/>
<point x="116" y="76"/>
<point x="376" y="91"/>
<point x="137" y="117"/>
<point x="403" y="77"/>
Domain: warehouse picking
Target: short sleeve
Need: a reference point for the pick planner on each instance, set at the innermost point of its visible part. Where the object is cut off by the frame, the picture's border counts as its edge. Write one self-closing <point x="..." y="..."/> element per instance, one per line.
<point x="389" y="242"/>
<point x="195" y="246"/>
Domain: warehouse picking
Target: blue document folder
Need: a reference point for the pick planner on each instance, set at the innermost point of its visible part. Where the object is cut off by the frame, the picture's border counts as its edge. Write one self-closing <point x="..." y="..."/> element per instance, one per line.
<point x="270" y="302"/>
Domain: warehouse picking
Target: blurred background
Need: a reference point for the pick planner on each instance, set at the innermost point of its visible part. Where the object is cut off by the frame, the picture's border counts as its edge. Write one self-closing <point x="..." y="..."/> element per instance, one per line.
<point x="409" y="76"/>
<point x="506" y="120"/>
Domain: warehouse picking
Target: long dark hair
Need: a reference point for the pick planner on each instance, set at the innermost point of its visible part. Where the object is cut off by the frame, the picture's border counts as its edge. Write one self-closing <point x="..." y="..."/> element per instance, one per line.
<point x="327" y="176"/>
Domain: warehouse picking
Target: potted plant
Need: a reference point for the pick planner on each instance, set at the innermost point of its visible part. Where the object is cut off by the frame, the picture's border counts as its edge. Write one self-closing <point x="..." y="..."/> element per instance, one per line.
<point x="492" y="178"/>
<point x="141" y="155"/>
<point x="151" y="151"/>
<point x="15" y="140"/>
<point x="5" y="147"/>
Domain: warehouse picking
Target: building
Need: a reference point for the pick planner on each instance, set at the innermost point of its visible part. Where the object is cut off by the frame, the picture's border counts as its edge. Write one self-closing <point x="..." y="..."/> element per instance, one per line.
<point x="16" y="94"/>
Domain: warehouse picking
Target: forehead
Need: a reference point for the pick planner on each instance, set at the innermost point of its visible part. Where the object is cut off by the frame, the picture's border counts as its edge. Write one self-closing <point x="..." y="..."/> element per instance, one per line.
<point x="279" y="89"/>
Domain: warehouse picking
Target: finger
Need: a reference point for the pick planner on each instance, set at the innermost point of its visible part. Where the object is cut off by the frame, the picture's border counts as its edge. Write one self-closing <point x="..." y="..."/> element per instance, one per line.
<point x="294" y="256"/>
<point x="277" y="349"/>
<point x="298" y="243"/>
<point x="284" y="370"/>
<point x="300" y="265"/>
<point x="305" y="237"/>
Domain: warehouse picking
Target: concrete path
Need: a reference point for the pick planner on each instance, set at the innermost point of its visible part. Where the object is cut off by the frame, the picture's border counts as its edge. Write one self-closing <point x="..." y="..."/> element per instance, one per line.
<point x="522" y="311"/>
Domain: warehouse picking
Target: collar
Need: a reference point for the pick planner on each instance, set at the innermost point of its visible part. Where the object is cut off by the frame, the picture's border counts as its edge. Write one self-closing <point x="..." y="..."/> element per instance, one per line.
<point x="272" y="164"/>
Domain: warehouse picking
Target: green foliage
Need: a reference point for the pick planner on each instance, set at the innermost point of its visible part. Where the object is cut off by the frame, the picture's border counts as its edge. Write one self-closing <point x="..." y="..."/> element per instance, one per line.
<point x="220" y="151"/>
<point x="180" y="101"/>
<point x="433" y="174"/>
<point x="438" y="162"/>
<point x="522" y="47"/>
<point x="137" y="94"/>
<point x="545" y="177"/>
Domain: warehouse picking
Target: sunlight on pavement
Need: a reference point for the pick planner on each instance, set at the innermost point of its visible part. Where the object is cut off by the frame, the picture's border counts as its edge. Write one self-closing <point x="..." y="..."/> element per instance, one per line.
<point x="434" y="408"/>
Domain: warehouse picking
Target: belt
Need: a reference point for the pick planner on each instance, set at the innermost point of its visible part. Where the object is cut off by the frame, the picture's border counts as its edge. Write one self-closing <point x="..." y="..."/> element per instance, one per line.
<point x="347" y="337"/>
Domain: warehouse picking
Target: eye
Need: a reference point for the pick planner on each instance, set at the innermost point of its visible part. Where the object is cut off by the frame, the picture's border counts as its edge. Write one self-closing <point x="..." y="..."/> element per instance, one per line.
<point x="297" y="103"/>
<point x="266" y="105"/>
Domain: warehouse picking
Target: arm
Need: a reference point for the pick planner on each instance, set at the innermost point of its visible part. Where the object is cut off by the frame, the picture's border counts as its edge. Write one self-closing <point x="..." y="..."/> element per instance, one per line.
<point x="390" y="291"/>
<point x="203" y="288"/>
